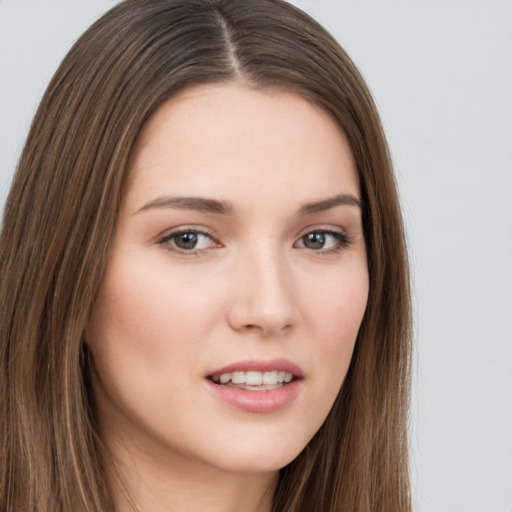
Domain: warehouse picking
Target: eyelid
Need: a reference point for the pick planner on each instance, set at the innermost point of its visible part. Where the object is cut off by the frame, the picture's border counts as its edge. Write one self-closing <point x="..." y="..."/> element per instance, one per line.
<point x="324" y="228"/>
<point x="167" y="235"/>
<point x="342" y="237"/>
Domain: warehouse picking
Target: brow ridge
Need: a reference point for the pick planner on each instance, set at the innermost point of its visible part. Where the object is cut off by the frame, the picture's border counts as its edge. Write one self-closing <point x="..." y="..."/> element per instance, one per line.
<point x="215" y="206"/>
<point x="201" y="204"/>
<point x="331" y="202"/>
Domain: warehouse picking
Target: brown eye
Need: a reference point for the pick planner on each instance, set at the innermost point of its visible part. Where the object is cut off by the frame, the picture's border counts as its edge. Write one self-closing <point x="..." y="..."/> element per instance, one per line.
<point x="315" y="240"/>
<point x="324" y="241"/>
<point x="186" y="241"/>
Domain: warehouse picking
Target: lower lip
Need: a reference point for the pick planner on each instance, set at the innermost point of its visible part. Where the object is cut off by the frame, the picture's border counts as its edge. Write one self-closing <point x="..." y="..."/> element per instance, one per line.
<point x="257" y="401"/>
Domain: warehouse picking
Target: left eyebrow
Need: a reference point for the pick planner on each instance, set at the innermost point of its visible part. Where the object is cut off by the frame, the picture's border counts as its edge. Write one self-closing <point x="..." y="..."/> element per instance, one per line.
<point x="331" y="202"/>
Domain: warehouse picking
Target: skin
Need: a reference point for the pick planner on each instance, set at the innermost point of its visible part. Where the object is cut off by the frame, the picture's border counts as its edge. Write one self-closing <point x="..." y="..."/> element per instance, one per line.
<point x="253" y="288"/>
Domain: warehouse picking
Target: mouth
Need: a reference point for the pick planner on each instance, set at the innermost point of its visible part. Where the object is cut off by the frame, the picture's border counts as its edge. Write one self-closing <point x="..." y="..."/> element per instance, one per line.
<point x="254" y="380"/>
<point x="257" y="385"/>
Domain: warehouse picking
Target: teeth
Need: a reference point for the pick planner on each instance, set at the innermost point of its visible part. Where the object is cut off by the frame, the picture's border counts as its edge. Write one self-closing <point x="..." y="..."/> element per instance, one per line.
<point x="225" y="377"/>
<point x="270" y="377"/>
<point x="252" y="378"/>
<point x="238" y="377"/>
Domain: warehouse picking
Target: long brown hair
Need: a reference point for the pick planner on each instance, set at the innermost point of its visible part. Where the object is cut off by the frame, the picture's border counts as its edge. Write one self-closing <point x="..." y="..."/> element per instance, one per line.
<point x="60" y="219"/>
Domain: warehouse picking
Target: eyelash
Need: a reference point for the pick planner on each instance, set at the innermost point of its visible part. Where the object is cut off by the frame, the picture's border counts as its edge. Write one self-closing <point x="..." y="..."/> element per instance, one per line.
<point x="167" y="241"/>
<point x="341" y="241"/>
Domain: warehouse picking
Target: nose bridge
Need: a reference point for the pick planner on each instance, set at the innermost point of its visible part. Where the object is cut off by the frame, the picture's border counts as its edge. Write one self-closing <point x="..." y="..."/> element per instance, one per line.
<point x="264" y="298"/>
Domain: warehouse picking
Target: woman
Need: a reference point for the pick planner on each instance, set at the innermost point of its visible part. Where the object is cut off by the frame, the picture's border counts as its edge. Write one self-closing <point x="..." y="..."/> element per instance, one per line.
<point x="205" y="297"/>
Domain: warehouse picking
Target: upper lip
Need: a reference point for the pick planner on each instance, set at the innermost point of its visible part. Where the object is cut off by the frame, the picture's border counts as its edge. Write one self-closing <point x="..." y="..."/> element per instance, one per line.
<point x="260" y="365"/>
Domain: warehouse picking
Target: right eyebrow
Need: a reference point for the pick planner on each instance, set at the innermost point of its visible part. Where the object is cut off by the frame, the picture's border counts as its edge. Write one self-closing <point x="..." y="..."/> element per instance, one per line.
<point x="200" y="204"/>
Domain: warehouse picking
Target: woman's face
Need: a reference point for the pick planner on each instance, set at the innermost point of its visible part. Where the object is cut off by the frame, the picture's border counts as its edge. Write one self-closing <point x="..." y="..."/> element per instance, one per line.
<point x="238" y="264"/>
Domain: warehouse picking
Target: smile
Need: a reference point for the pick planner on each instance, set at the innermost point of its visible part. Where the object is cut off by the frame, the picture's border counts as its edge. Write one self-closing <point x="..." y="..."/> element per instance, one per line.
<point x="257" y="386"/>
<point x="254" y="380"/>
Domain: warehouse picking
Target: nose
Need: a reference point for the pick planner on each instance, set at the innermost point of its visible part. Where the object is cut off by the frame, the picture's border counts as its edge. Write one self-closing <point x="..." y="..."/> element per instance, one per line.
<point x="263" y="300"/>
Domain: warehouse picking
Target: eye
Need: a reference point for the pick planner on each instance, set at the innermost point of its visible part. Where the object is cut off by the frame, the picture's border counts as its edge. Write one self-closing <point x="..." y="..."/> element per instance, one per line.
<point x="188" y="240"/>
<point x="323" y="240"/>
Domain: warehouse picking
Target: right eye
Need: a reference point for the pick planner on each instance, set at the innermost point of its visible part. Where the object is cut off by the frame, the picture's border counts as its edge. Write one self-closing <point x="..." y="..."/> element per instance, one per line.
<point x="188" y="241"/>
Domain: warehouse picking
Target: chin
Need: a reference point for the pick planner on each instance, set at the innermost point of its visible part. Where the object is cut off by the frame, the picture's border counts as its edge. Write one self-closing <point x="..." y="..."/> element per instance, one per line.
<point x="262" y="456"/>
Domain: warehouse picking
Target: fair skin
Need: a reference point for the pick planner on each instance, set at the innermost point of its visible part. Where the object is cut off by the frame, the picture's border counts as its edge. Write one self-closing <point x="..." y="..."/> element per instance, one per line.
<point x="264" y="270"/>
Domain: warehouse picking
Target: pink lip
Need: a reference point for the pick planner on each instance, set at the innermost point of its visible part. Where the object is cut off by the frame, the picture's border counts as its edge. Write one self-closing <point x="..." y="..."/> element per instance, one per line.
<point x="266" y="401"/>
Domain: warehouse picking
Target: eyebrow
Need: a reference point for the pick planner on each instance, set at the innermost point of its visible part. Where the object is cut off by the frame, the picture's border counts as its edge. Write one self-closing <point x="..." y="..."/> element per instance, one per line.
<point x="203" y="204"/>
<point x="200" y="204"/>
<point x="331" y="202"/>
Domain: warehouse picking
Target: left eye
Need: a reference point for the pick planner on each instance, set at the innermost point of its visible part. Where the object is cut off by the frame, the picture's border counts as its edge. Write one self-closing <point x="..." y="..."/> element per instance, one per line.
<point x="189" y="241"/>
<point x="323" y="240"/>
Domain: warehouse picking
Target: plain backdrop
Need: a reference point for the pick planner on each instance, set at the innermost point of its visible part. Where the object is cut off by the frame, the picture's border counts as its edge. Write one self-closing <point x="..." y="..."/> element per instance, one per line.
<point x="441" y="73"/>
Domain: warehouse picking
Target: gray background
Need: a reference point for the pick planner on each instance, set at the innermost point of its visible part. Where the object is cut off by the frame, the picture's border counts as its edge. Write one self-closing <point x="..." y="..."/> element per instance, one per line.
<point x="441" y="73"/>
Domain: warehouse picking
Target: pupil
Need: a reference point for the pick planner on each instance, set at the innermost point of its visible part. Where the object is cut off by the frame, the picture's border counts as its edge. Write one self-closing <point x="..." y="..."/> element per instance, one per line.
<point x="314" y="240"/>
<point x="186" y="240"/>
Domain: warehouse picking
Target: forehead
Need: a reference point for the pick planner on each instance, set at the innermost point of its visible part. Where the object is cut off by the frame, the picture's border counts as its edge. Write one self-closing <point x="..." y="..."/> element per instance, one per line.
<point x="232" y="139"/>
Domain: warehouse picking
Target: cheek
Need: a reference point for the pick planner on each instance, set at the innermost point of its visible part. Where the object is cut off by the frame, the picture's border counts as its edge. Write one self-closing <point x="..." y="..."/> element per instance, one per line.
<point x="335" y="311"/>
<point x="152" y="308"/>
<point x="337" y="303"/>
<point x="148" y="327"/>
